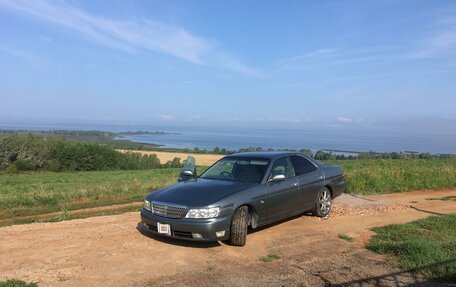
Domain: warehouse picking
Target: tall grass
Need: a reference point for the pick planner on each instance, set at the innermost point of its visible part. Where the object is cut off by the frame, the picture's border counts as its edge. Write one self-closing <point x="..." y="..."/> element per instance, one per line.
<point x="384" y="176"/>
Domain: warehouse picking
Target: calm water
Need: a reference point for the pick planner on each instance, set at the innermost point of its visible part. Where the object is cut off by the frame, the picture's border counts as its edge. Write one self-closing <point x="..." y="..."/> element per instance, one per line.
<point x="236" y="138"/>
<point x="233" y="139"/>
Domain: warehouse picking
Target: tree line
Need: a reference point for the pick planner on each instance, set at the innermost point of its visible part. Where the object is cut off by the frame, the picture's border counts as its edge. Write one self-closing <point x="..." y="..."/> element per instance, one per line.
<point x="33" y="152"/>
<point x="330" y="155"/>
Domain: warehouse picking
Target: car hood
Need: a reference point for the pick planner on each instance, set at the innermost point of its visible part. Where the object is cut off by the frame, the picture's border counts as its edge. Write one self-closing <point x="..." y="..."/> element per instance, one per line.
<point x="198" y="193"/>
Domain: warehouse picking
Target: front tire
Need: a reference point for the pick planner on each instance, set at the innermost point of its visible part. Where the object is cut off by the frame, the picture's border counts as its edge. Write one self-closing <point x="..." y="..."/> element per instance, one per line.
<point x="239" y="224"/>
<point x="323" y="204"/>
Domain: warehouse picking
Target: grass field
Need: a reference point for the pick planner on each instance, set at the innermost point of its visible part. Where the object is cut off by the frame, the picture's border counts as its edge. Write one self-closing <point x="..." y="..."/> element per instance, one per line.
<point x="384" y="176"/>
<point x="33" y="193"/>
<point x="426" y="245"/>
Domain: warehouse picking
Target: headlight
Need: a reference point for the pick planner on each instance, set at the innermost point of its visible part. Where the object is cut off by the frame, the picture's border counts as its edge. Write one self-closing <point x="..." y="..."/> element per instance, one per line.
<point x="147" y="205"/>
<point x="203" y="213"/>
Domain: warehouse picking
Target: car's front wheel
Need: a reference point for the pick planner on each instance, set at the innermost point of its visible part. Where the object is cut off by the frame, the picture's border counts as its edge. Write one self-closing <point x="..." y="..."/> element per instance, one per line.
<point x="239" y="224"/>
<point x="323" y="204"/>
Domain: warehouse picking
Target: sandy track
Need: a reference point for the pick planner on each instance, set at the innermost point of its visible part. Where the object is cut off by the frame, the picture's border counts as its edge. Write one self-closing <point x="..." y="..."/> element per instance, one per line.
<point x="163" y="156"/>
<point x="110" y="251"/>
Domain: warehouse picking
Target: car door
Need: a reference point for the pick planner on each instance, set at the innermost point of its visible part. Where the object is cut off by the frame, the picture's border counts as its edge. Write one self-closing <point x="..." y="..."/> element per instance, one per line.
<point x="281" y="196"/>
<point x="310" y="181"/>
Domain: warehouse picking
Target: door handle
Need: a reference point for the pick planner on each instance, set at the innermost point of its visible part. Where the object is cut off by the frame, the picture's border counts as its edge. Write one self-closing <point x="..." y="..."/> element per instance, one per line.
<point x="294" y="184"/>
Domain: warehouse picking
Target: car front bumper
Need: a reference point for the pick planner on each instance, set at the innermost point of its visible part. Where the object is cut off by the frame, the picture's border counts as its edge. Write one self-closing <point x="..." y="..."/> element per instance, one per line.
<point x="185" y="228"/>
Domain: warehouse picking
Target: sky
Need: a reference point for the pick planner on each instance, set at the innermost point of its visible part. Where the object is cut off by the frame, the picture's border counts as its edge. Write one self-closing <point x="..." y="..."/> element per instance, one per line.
<point x="360" y="65"/>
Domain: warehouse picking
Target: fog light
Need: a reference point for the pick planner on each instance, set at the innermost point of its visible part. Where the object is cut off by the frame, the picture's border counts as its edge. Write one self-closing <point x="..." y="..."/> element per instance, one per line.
<point x="197" y="235"/>
<point x="220" y="233"/>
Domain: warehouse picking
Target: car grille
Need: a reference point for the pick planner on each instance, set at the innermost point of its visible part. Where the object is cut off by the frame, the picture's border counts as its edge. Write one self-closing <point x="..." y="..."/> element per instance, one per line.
<point x="170" y="211"/>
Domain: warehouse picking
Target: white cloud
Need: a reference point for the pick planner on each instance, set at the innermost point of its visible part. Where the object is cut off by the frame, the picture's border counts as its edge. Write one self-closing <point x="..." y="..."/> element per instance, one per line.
<point x="233" y="64"/>
<point x="324" y="52"/>
<point x="338" y="56"/>
<point x="344" y="120"/>
<point x="286" y="120"/>
<point x="117" y="34"/>
<point x="440" y="40"/>
<point x="127" y="35"/>
<point x="166" y="117"/>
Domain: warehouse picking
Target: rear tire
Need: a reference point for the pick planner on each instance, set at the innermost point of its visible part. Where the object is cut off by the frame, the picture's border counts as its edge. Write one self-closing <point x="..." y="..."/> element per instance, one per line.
<point x="239" y="224"/>
<point x="323" y="205"/>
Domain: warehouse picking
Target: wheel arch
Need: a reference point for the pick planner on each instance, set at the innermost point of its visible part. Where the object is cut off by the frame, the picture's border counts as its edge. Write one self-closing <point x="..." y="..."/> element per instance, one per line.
<point x="330" y="190"/>
<point x="253" y="214"/>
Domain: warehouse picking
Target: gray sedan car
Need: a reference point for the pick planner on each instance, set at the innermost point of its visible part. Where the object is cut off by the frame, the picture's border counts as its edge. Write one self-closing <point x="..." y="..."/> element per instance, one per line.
<point x="240" y="191"/>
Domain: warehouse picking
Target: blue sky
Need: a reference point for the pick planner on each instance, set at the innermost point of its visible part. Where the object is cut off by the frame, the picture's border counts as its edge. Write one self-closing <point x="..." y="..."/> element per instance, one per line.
<point x="368" y="65"/>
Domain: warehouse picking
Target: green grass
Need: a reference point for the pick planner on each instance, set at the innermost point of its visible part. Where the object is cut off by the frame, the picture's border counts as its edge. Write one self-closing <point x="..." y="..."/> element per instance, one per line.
<point x="345" y="237"/>
<point x="385" y="176"/>
<point x="210" y="268"/>
<point x="16" y="283"/>
<point x="427" y="245"/>
<point x="33" y="193"/>
<point x="269" y="258"/>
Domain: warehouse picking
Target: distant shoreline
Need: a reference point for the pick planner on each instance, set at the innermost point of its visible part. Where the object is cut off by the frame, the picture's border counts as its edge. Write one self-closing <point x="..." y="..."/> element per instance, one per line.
<point x="113" y="139"/>
<point x="129" y="133"/>
<point x="129" y="140"/>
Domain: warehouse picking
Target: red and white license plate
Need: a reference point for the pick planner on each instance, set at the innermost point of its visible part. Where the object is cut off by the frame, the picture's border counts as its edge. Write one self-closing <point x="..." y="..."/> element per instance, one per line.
<point x="164" y="228"/>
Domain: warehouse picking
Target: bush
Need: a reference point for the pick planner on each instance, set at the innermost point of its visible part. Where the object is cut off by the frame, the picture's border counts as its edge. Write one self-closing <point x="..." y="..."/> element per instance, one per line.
<point x="174" y="163"/>
<point x="53" y="165"/>
<point x="11" y="169"/>
<point x="23" y="165"/>
<point x="35" y="152"/>
<point x="9" y="149"/>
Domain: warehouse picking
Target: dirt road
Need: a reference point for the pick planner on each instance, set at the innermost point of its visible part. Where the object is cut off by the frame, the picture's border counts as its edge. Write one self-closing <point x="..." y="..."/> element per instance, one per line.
<point x="111" y="251"/>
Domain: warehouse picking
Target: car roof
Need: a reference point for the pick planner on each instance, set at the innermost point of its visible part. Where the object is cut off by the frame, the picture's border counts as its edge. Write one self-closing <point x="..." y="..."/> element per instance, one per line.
<point x="265" y="154"/>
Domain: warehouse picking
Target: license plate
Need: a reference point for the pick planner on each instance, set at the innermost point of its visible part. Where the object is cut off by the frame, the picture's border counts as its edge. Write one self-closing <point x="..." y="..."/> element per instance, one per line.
<point x="164" y="228"/>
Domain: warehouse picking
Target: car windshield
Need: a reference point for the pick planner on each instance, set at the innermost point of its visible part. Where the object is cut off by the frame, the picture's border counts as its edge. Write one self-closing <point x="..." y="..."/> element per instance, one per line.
<point x="239" y="169"/>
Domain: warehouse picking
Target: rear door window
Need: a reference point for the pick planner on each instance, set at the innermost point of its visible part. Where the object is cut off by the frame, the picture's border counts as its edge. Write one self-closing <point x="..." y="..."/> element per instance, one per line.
<point x="302" y="165"/>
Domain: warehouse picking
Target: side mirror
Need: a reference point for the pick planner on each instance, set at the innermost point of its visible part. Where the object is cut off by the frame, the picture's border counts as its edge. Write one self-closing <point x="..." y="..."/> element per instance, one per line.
<point x="186" y="175"/>
<point x="189" y="170"/>
<point x="277" y="178"/>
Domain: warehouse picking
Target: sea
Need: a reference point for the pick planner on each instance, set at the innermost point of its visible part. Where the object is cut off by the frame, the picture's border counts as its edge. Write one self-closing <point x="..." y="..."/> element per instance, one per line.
<point x="342" y="141"/>
<point x="235" y="138"/>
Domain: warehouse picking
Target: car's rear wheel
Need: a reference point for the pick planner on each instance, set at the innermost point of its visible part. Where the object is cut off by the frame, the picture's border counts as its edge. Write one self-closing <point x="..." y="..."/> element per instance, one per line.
<point x="239" y="224"/>
<point x="323" y="204"/>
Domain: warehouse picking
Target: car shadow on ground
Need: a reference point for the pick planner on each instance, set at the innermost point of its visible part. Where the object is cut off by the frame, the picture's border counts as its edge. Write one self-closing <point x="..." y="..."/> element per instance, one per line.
<point x="304" y="214"/>
<point x="196" y="244"/>
<point x="178" y="242"/>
